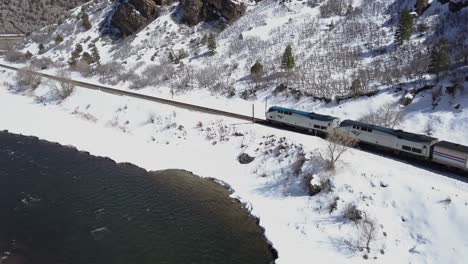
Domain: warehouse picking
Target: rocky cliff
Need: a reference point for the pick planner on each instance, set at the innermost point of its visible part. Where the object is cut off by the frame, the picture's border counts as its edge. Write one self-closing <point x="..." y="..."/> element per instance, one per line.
<point x="132" y="15"/>
<point x="196" y="11"/>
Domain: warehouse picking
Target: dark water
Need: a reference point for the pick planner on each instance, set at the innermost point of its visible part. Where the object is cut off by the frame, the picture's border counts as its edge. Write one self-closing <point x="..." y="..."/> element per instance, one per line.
<point x="58" y="205"/>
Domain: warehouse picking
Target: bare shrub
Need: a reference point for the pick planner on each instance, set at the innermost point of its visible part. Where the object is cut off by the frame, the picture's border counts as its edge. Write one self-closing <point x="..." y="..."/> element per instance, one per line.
<point x="42" y="63"/>
<point x="338" y="143"/>
<point x="65" y="86"/>
<point x="109" y="72"/>
<point x="388" y="115"/>
<point x="351" y="212"/>
<point x="83" y="68"/>
<point x="296" y="166"/>
<point x="26" y="78"/>
<point x="367" y="235"/>
<point x="14" y="56"/>
<point x="334" y="8"/>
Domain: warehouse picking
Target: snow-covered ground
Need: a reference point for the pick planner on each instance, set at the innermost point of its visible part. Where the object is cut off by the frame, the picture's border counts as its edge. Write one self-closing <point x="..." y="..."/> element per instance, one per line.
<point x="420" y="215"/>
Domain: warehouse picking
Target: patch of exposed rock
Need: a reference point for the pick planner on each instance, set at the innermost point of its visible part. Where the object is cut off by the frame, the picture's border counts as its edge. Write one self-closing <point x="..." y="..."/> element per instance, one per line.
<point x="457" y="6"/>
<point x="132" y="15"/>
<point x="196" y="11"/>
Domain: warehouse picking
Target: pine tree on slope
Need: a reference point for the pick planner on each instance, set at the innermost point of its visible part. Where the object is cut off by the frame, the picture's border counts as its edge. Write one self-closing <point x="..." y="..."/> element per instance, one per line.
<point x="405" y="27"/>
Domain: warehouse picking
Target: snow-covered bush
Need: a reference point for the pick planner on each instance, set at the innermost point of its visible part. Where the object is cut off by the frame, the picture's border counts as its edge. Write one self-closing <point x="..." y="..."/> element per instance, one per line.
<point x="25" y="78"/>
<point x="14" y="56"/>
<point x="64" y="87"/>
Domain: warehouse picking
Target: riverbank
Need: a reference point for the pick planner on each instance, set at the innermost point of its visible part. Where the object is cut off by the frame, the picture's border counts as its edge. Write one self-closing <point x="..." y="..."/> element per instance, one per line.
<point x="273" y="185"/>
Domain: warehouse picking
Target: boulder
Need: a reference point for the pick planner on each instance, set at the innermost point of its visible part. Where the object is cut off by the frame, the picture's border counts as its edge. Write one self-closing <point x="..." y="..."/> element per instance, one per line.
<point x="196" y="11"/>
<point x="244" y="158"/>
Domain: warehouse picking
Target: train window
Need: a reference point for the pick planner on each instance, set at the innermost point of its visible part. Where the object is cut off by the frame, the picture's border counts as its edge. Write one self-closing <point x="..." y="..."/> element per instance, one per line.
<point x="317" y="126"/>
<point x="415" y="150"/>
<point x="406" y="148"/>
<point x="323" y="127"/>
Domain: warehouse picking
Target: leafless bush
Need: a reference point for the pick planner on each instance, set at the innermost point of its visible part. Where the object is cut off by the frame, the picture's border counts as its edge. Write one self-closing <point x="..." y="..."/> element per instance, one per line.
<point x="296" y="166"/>
<point x="367" y="235"/>
<point x="65" y="86"/>
<point x="25" y="78"/>
<point x="83" y="68"/>
<point x="334" y="8"/>
<point x="109" y="72"/>
<point x="42" y="63"/>
<point x="388" y="115"/>
<point x="14" y="56"/>
<point x="338" y="143"/>
<point x="207" y="77"/>
<point x="351" y="212"/>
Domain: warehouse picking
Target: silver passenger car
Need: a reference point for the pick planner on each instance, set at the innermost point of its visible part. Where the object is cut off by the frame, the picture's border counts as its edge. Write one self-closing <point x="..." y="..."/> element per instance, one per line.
<point x="397" y="140"/>
<point x="451" y="154"/>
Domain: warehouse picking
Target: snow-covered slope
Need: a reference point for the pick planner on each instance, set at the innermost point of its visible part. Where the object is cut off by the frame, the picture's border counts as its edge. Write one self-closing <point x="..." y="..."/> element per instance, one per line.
<point x="419" y="215"/>
<point x="336" y="43"/>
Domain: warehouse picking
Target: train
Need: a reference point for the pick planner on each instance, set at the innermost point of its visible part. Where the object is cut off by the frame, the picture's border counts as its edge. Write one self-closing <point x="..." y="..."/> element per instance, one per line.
<point x="398" y="141"/>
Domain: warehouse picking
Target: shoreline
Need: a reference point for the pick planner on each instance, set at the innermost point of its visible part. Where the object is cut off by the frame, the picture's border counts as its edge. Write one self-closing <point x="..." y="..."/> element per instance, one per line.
<point x="224" y="185"/>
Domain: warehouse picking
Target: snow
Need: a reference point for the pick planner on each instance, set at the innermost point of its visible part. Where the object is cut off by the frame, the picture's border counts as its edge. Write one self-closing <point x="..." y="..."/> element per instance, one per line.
<point x="433" y="204"/>
<point x="421" y="213"/>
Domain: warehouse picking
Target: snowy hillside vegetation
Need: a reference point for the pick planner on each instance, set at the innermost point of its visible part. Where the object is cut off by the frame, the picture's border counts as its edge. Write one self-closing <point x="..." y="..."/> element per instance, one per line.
<point x="368" y="209"/>
<point x="21" y="16"/>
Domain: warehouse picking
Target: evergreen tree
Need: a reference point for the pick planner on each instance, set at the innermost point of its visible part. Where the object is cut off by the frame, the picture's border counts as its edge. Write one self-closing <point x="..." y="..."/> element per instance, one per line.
<point x="58" y="38"/>
<point x="288" y="63"/>
<point x="95" y="54"/>
<point x="211" y="42"/>
<point x="440" y="57"/>
<point x="41" y="48"/>
<point x="86" y="57"/>
<point x="256" y="71"/>
<point x="86" y="23"/>
<point x="421" y="6"/>
<point x="405" y="27"/>
<point x="356" y="87"/>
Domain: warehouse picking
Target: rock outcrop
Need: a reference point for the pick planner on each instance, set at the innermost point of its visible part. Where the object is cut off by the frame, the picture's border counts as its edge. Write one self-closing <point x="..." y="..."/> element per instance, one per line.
<point x="130" y="16"/>
<point x="196" y="11"/>
<point x="455" y="6"/>
<point x="245" y="158"/>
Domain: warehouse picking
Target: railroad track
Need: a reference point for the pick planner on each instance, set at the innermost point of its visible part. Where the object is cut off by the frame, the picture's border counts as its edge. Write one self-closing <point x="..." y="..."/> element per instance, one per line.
<point x="420" y="163"/>
<point x="114" y="91"/>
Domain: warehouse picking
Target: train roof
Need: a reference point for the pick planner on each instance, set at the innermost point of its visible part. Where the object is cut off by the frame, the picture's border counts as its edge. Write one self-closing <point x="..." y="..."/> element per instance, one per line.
<point x="398" y="133"/>
<point x="310" y="115"/>
<point x="453" y="146"/>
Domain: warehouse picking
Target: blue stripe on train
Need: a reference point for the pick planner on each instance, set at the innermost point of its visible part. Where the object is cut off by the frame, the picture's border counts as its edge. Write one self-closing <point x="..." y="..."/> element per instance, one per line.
<point x="448" y="157"/>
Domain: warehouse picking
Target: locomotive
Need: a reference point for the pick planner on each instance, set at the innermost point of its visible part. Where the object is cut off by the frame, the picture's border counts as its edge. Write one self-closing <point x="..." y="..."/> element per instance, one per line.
<point x="399" y="141"/>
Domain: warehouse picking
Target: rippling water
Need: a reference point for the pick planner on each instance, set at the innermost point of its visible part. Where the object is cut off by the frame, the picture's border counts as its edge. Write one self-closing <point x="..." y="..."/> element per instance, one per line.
<point x="58" y="205"/>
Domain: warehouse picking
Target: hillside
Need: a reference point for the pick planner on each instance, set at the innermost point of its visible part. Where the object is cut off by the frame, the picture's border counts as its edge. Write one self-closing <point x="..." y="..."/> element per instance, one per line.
<point x="398" y="63"/>
<point x="26" y="16"/>
<point x="347" y="60"/>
